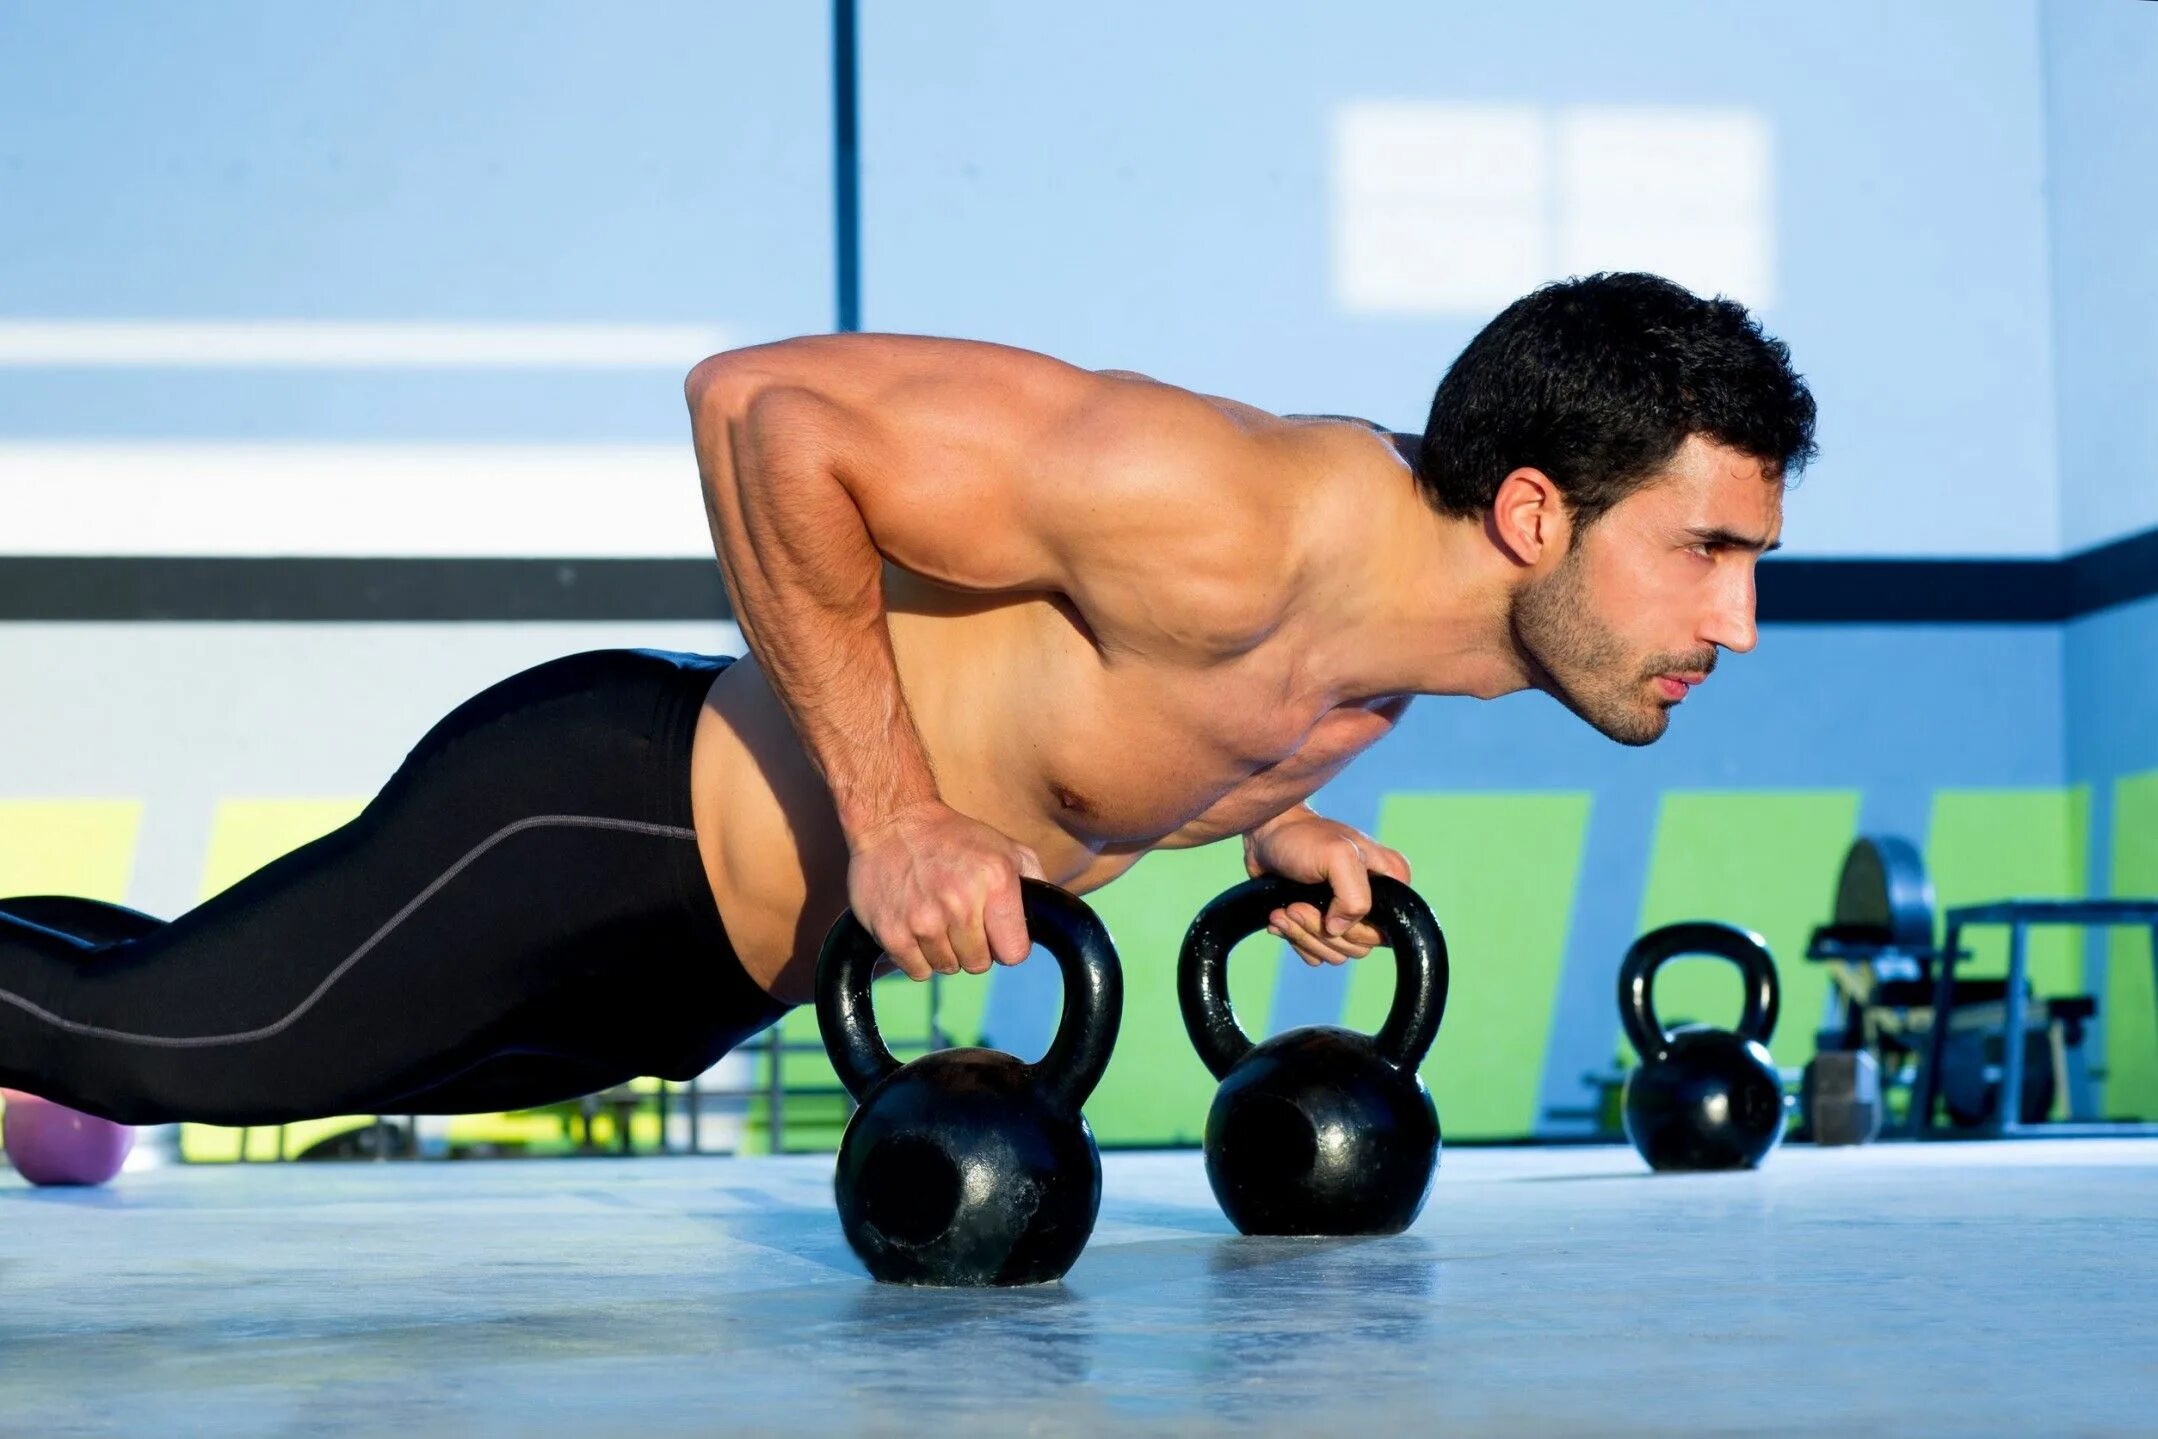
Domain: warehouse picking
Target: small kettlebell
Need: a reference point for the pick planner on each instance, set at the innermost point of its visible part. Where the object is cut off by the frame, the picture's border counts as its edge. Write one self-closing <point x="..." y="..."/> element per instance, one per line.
<point x="1318" y="1130"/>
<point x="972" y="1166"/>
<point x="1702" y="1098"/>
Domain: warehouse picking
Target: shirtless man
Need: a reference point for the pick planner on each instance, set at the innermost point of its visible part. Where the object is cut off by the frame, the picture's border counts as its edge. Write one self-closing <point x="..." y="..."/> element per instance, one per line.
<point x="1005" y="617"/>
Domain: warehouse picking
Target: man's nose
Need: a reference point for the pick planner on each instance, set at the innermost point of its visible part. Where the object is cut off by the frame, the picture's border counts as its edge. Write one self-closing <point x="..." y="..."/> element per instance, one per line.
<point x="1731" y="624"/>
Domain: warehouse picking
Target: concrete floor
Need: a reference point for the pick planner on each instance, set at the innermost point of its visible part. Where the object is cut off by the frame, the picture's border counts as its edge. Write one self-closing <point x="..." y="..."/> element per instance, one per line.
<point x="1965" y="1288"/>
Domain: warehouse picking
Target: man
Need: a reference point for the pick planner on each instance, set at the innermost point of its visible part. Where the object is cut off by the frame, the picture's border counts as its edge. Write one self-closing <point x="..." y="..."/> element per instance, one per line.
<point x="1005" y="617"/>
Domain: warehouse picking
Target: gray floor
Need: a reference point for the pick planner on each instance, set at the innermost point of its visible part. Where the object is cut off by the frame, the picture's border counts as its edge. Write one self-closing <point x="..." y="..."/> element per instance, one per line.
<point x="1981" y="1289"/>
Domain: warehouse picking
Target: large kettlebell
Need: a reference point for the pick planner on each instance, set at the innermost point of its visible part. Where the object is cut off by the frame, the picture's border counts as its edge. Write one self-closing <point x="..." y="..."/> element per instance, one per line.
<point x="1318" y="1130"/>
<point x="972" y="1166"/>
<point x="1702" y="1098"/>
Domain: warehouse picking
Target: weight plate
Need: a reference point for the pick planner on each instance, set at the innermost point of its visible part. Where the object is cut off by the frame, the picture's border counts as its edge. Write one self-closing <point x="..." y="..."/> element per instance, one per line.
<point x="1884" y="891"/>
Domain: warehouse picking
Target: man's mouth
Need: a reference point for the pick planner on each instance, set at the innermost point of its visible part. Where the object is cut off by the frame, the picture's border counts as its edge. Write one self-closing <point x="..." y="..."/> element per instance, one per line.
<point x="1677" y="687"/>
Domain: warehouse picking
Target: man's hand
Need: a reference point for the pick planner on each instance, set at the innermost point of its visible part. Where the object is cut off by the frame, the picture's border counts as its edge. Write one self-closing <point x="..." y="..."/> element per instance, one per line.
<point x="940" y="891"/>
<point x="1303" y="846"/>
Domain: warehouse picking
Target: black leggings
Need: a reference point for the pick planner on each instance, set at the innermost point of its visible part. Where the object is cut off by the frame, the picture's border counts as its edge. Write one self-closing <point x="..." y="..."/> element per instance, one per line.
<point x="518" y="918"/>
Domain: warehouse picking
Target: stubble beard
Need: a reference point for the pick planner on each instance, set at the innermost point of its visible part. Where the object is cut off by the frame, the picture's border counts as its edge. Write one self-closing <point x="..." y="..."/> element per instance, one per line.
<point x="1581" y="662"/>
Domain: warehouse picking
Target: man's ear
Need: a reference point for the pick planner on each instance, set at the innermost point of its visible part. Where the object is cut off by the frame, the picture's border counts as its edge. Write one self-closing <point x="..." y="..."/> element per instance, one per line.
<point x="1528" y="518"/>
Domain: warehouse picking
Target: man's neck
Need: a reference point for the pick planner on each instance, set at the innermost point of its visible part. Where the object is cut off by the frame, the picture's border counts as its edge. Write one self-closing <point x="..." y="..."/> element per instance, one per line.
<point x="1425" y="610"/>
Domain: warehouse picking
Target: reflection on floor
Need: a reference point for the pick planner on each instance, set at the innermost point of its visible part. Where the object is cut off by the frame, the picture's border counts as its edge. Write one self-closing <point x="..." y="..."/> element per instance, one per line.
<point x="1962" y="1287"/>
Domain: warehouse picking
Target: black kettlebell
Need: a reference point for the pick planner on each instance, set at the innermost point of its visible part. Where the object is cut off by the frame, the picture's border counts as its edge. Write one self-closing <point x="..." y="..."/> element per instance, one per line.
<point x="972" y="1166"/>
<point x="1702" y="1098"/>
<point x="1318" y="1130"/>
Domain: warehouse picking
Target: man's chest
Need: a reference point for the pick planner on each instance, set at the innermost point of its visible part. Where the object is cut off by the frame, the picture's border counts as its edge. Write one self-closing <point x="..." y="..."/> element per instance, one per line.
<point x="1133" y="767"/>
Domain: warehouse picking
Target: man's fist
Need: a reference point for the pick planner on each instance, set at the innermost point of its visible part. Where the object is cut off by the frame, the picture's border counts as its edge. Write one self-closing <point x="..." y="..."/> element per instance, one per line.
<point x="941" y="892"/>
<point x="1302" y="846"/>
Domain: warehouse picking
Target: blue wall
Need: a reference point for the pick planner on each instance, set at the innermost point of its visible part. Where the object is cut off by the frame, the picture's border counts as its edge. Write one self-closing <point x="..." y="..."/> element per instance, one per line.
<point x="1151" y="187"/>
<point x="1032" y="175"/>
<point x="2101" y="68"/>
<point x="550" y="161"/>
<point x="2102" y="182"/>
<point x="2111" y="692"/>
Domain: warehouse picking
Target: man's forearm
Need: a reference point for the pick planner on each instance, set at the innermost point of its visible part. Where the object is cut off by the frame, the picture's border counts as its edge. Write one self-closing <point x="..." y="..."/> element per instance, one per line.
<point x="807" y="584"/>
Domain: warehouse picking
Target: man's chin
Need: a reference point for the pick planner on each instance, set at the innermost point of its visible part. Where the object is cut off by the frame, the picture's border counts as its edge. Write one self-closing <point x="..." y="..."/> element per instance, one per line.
<point x="1635" y="729"/>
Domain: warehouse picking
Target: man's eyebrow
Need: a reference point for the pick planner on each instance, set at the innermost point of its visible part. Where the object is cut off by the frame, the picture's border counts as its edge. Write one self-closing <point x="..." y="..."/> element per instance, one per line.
<point x="1716" y="535"/>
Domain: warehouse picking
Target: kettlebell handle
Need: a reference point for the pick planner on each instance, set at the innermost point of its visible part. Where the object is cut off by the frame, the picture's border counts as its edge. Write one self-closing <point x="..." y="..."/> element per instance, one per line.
<point x="1060" y="922"/>
<point x="1421" y="973"/>
<point x="1649" y="953"/>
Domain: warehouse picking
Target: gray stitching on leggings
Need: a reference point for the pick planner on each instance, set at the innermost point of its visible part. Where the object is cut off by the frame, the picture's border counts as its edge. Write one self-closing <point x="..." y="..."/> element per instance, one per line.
<point x="631" y="826"/>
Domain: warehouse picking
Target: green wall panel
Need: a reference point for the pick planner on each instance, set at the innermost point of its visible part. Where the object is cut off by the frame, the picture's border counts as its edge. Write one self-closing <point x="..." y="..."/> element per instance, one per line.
<point x="246" y="834"/>
<point x="1765" y="860"/>
<point x="1156" y="1091"/>
<point x="1987" y="844"/>
<point x="68" y="846"/>
<point x="2129" y="1007"/>
<point x="1498" y="870"/>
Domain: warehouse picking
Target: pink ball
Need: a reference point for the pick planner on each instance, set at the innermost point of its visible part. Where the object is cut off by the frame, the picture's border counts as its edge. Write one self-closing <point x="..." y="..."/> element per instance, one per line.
<point x="52" y="1144"/>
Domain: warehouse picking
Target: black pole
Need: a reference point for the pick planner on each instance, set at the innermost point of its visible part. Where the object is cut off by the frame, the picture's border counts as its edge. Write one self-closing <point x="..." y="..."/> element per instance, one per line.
<point x="846" y="166"/>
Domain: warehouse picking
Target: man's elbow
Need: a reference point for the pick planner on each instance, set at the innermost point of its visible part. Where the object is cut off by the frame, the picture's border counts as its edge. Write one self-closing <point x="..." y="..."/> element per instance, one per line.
<point x="728" y="385"/>
<point x="714" y="382"/>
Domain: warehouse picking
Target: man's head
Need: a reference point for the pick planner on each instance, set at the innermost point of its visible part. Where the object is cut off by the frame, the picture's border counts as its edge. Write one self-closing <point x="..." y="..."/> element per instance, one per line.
<point x="1625" y="445"/>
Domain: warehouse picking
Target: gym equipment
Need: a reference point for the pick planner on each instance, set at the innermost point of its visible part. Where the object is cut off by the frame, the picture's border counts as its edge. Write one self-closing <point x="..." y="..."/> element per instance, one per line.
<point x="1884" y="898"/>
<point x="1702" y="1098"/>
<point x="1839" y="1097"/>
<point x="1971" y="1071"/>
<point x="51" y="1144"/>
<point x="971" y="1166"/>
<point x="1318" y="1130"/>
<point x="2012" y="1108"/>
<point x="1946" y="1036"/>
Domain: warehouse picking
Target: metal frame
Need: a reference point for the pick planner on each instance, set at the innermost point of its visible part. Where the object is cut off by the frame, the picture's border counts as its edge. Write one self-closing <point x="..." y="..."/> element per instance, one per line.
<point x="2019" y="915"/>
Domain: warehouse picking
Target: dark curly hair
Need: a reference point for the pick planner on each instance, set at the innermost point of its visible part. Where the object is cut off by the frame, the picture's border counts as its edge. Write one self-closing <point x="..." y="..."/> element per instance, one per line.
<point x="1597" y="381"/>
